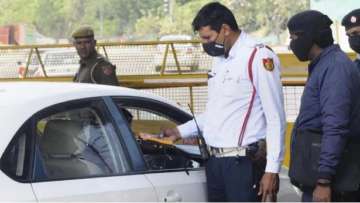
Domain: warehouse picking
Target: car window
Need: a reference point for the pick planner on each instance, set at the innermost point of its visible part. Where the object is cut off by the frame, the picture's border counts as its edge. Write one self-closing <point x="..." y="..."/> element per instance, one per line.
<point x="79" y="142"/>
<point x="151" y="120"/>
<point x="15" y="160"/>
<point x="144" y="120"/>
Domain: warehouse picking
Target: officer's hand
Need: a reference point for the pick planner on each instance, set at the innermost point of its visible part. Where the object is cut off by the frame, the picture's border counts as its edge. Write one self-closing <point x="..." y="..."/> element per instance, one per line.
<point x="322" y="194"/>
<point x="269" y="187"/>
<point x="171" y="133"/>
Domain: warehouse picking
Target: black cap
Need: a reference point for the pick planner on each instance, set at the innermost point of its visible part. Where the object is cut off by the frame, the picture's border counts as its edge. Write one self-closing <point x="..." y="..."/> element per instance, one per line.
<point x="310" y="21"/>
<point x="352" y="19"/>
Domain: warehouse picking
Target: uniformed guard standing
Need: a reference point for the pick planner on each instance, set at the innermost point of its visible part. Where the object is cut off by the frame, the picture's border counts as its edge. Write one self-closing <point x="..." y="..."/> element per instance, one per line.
<point x="244" y="107"/>
<point x="325" y="141"/>
<point x="94" y="68"/>
<point x="351" y="22"/>
<point x="352" y="26"/>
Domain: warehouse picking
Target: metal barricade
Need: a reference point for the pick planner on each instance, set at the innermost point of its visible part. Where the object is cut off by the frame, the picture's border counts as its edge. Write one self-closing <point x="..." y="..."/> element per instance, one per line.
<point x="131" y="58"/>
<point x="176" y="70"/>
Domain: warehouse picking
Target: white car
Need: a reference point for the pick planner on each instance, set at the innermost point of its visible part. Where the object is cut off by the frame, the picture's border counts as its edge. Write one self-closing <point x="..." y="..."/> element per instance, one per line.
<point x="188" y="54"/>
<point x="77" y="142"/>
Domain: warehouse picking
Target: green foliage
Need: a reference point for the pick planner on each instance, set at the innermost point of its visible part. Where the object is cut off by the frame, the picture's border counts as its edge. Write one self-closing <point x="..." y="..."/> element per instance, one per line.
<point x="142" y="19"/>
<point x="179" y="22"/>
<point x="267" y="18"/>
<point x="16" y="11"/>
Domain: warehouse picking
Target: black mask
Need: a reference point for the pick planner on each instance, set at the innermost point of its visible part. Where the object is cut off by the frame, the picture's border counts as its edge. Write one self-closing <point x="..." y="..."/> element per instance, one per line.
<point x="354" y="42"/>
<point x="214" y="48"/>
<point x="301" y="47"/>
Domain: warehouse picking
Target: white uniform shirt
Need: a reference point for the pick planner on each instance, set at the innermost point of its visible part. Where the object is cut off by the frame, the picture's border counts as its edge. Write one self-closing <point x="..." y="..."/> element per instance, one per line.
<point x="229" y="95"/>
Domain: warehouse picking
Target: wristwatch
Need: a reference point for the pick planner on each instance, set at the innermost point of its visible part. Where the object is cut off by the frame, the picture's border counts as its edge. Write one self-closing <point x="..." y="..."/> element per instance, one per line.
<point x="323" y="182"/>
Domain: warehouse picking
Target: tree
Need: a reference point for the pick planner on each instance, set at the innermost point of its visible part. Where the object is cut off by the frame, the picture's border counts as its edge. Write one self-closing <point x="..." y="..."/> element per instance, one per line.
<point x="143" y="19"/>
<point x="270" y="16"/>
<point x="163" y="24"/>
<point x="16" y="11"/>
<point x="59" y="18"/>
<point x="59" y="23"/>
<point x="267" y="18"/>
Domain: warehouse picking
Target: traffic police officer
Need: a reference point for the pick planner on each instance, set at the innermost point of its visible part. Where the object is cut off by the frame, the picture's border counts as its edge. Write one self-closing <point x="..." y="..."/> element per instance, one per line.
<point x="352" y="26"/>
<point x="94" y="68"/>
<point x="328" y="105"/>
<point x="245" y="106"/>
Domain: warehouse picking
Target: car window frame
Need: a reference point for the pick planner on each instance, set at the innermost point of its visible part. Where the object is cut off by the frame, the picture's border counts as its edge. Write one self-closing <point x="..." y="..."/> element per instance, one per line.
<point x="156" y="106"/>
<point x="29" y="130"/>
<point x="73" y="103"/>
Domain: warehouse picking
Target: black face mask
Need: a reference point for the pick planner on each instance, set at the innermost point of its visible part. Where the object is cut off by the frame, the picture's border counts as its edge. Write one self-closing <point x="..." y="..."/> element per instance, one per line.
<point x="301" y="47"/>
<point x="354" y="42"/>
<point x="214" y="48"/>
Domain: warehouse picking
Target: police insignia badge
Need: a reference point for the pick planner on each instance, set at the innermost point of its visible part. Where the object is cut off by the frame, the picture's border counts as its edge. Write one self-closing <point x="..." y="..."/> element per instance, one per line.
<point x="268" y="64"/>
<point x="108" y="70"/>
<point x="353" y="19"/>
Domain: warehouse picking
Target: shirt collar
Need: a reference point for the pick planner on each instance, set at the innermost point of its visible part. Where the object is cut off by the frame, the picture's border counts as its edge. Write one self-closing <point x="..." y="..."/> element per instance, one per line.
<point x="240" y="40"/>
<point x="358" y="56"/>
<point x="243" y="40"/>
<point x="325" y="52"/>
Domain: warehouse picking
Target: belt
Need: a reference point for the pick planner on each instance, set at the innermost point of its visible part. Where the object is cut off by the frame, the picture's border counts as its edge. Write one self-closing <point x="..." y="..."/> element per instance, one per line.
<point x="227" y="152"/>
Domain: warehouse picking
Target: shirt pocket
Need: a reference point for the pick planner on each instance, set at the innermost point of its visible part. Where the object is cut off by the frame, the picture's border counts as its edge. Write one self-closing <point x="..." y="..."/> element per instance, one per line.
<point x="237" y="87"/>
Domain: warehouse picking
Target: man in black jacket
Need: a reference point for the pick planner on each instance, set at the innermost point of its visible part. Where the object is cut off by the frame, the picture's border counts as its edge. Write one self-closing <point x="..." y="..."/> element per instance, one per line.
<point x="329" y="105"/>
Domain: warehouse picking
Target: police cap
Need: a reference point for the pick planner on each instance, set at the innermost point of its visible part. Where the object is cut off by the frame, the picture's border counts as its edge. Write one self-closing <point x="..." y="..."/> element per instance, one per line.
<point x="83" y="32"/>
<point x="352" y="19"/>
<point x="310" y="21"/>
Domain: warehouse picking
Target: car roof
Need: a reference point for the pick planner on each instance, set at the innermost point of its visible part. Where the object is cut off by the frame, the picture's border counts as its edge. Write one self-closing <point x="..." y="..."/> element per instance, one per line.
<point x="20" y="100"/>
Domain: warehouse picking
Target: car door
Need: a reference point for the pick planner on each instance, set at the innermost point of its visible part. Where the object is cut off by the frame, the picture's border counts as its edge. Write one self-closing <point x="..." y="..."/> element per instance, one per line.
<point x="15" y="169"/>
<point x="79" y="155"/>
<point x="176" y="176"/>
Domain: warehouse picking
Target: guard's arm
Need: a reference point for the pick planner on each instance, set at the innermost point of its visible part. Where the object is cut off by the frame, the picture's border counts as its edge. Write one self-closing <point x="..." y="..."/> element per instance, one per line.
<point x="105" y="74"/>
<point x="266" y="71"/>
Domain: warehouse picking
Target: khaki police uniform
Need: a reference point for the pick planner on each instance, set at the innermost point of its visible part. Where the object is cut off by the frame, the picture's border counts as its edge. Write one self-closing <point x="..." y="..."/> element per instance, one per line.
<point x="94" y="69"/>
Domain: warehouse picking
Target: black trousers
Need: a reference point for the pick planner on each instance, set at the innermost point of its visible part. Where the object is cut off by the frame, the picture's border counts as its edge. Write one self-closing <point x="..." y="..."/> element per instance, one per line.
<point x="233" y="179"/>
